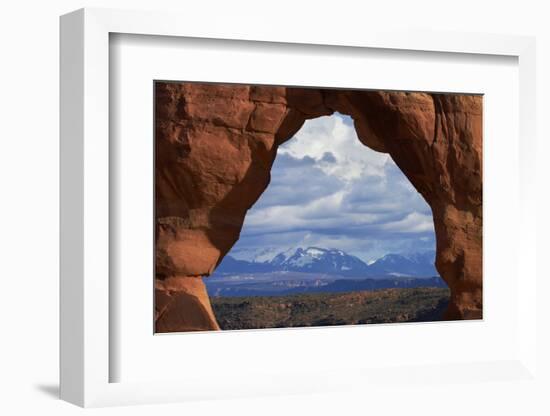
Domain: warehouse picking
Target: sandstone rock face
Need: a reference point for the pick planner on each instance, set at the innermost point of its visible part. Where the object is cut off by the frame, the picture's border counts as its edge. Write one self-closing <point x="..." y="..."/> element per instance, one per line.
<point x="182" y="304"/>
<point x="215" y="145"/>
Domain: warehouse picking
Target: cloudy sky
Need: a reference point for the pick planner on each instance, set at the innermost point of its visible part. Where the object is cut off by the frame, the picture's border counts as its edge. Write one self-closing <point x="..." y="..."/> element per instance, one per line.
<point x="329" y="190"/>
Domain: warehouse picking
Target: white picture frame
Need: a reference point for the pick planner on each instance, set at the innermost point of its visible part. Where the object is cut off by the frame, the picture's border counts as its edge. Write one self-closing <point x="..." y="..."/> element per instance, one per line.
<point x="85" y="164"/>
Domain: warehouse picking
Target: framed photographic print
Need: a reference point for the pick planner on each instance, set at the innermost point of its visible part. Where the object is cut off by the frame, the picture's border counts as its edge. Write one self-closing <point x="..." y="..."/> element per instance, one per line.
<point x="270" y="214"/>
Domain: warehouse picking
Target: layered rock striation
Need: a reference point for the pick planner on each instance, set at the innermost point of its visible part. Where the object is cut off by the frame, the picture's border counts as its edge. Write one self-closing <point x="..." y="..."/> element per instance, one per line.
<point x="215" y="145"/>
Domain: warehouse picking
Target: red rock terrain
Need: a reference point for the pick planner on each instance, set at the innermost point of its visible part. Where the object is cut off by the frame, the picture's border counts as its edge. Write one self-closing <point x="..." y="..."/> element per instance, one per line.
<point x="215" y="145"/>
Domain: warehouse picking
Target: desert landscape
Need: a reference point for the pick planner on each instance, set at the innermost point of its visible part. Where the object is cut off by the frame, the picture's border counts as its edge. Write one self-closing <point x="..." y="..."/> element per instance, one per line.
<point x="286" y="207"/>
<point x="327" y="309"/>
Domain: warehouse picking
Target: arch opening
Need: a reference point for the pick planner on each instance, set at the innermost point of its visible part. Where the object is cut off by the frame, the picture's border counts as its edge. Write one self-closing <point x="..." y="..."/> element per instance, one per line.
<point x="216" y="144"/>
<point x="336" y="222"/>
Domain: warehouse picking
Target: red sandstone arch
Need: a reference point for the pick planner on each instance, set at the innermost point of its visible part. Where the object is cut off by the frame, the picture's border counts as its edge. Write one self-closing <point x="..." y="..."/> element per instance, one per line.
<point x="215" y="145"/>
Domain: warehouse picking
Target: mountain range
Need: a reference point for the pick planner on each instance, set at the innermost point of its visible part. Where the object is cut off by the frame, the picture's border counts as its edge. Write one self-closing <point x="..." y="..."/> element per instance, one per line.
<point x="331" y="262"/>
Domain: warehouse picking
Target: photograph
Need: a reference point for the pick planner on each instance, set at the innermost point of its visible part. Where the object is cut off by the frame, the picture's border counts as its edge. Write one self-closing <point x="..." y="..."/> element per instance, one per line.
<point x="285" y="207"/>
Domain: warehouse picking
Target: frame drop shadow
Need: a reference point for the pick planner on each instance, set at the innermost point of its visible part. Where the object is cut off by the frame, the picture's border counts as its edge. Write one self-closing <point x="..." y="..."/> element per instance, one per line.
<point x="51" y="390"/>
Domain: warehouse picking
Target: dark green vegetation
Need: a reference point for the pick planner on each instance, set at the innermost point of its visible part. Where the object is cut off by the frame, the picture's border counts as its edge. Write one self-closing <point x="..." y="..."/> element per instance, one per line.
<point x="321" y="309"/>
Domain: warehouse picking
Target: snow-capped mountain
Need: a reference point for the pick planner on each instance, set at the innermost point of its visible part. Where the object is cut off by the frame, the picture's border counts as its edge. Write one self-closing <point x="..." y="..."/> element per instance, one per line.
<point x="415" y="264"/>
<point x="330" y="262"/>
<point x="262" y="255"/>
<point x="320" y="260"/>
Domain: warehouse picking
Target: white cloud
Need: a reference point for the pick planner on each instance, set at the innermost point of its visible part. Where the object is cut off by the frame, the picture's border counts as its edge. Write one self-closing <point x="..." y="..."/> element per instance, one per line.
<point x="329" y="190"/>
<point x="326" y="212"/>
<point x="414" y="222"/>
<point x="331" y="134"/>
